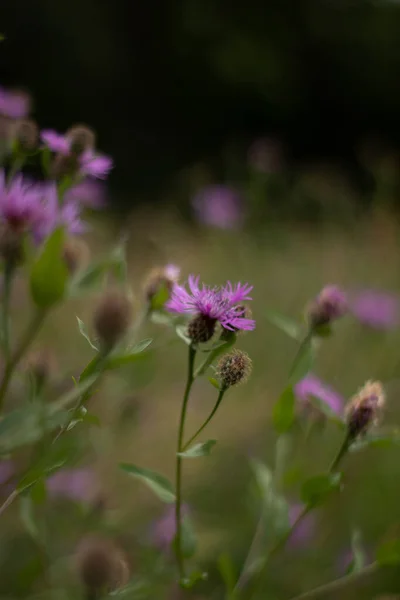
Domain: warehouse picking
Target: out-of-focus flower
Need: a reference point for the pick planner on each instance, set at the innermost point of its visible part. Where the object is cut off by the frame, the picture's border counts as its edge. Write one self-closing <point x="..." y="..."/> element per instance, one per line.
<point x="53" y="215"/>
<point x="14" y="104"/>
<point x="20" y="204"/>
<point x="265" y="155"/>
<point x="376" y="309"/>
<point x="304" y="531"/>
<point x="163" y="531"/>
<point x="79" y="485"/>
<point x="364" y="408"/>
<point x="312" y="386"/>
<point x="209" y="306"/>
<point x="102" y="566"/>
<point x="89" y="193"/>
<point x="219" y="206"/>
<point x="158" y="285"/>
<point x="330" y="304"/>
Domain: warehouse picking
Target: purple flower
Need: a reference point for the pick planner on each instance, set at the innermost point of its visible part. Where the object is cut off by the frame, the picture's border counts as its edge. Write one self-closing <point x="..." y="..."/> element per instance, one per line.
<point x="304" y="531"/>
<point x="53" y="215"/>
<point x="330" y="304"/>
<point x="219" y="206"/>
<point x="56" y="142"/>
<point x="216" y="304"/>
<point x="312" y="386"/>
<point x="79" y="485"/>
<point x="20" y="203"/>
<point x="163" y="530"/>
<point x="88" y="192"/>
<point x="14" y="105"/>
<point x="376" y="309"/>
<point x="172" y="272"/>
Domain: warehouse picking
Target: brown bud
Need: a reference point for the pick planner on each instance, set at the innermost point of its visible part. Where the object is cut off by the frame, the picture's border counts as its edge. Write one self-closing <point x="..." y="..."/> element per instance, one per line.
<point x="112" y="318"/>
<point x="364" y="408"/>
<point x="102" y="566"/>
<point x="201" y="329"/>
<point x="64" y="165"/>
<point x="25" y="134"/>
<point x="82" y="138"/>
<point x="234" y="368"/>
<point x="76" y="254"/>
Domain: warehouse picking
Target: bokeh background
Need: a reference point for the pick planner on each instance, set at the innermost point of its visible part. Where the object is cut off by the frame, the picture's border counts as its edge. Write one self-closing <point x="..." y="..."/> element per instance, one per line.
<point x="252" y="141"/>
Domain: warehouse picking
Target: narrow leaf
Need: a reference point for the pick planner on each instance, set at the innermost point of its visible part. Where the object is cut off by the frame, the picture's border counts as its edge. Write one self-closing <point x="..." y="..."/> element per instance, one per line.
<point x="181" y="331"/>
<point x="156" y="482"/>
<point x="200" y="449"/>
<point x="285" y="324"/>
<point x="83" y="331"/>
<point x="276" y="508"/>
<point x="214" y="382"/>
<point x="49" y="274"/>
<point x="283" y="413"/>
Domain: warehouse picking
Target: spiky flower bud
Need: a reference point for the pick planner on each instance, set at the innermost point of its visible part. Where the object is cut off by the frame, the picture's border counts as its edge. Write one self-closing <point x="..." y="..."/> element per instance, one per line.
<point x="159" y="283"/>
<point x="201" y="329"/>
<point x="363" y="409"/>
<point x="82" y="138"/>
<point x="328" y="306"/>
<point x="25" y="135"/>
<point x="76" y="254"/>
<point x="112" y="318"/>
<point x="234" y="368"/>
<point x="101" y="566"/>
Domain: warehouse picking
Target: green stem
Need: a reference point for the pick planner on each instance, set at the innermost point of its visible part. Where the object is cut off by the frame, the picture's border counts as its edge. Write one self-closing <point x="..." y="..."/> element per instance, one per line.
<point x="299" y="354"/>
<point x="181" y="431"/>
<point x="334" y="587"/>
<point x="8" y="280"/>
<point x="24" y="344"/>
<point x="206" y="422"/>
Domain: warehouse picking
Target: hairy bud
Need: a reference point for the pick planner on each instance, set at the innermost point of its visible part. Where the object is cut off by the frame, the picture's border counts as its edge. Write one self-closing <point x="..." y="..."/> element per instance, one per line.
<point x="201" y="329"/>
<point x="76" y="254"/>
<point x="363" y="410"/>
<point x="82" y="138"/>
<point x="112" y="318"/>
<point x="101" y="566"/>
<point x="234" y="368"/>
<point x="25" y="135"/>
<point x="328" y="306"/>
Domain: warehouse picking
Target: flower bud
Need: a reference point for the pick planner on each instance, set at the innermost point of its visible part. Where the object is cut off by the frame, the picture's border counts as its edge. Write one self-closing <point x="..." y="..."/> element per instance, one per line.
<point x="76" y="254"/>
<point x="363" y="409"/>
<point x="82" y="138"/>
<point x="25" y="135"/>
<point x="101" y="566"/>
<point x="328" y="306"/>
<point x="158" y="285"/>
<point x="112" y="318"/>
<point x="201" y="329"/>
<point x="233" y="368"/>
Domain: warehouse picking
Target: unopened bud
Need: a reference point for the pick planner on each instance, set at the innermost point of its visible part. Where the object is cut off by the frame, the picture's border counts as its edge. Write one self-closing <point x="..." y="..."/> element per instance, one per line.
<point x="328" y="306"/>
<point x="201" y="329"/>
<point x="112" y="318"/>
<point x="25" y="135"/>
<point x="76" y="254"/>
<point x="234" y="368"/>
<point x="82" y="138"/>
<point x="64" y="165"/>
<point x="11" y="245"/>
<point x="41" y="365"/>
<point x="101" y="566"/>
<point x="158" y="285"/>
<point x="363" y="410"/>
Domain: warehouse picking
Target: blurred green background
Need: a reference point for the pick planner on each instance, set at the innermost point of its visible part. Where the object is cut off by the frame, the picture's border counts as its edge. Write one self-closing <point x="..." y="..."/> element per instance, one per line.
<point x="178" y="91"/>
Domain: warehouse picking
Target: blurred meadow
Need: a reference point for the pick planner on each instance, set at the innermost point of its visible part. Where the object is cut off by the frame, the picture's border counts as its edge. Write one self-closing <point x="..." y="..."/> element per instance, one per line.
<point x="277" y="166"/>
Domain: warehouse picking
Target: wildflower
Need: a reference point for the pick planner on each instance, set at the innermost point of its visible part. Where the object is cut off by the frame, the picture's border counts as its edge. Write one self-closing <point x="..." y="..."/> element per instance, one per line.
<point x="14" y="104"/>
<point x="330" y="305"/>
<point x="20" y="204"/>
<point x="311" y="386"/>
<point x="112" y="318"/>
<point x="363" y="409"/>
<point x="234" y="368"/>
<point x="159" y="280"/>
<point x="81" y="138"/>
<point x="376" y="309"/>
<point x="211" y="305"/>
<point x="88" y="193"/>
<point x="219" y="206"/>
<point x="102" y="566"/>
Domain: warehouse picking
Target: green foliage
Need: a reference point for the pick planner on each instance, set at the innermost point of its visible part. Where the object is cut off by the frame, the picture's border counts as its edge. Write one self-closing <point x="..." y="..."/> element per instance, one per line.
<point x="283" y="413"/>
<point x="156" y="482"/>
<point x="200" y="449"/>
<point x="49" y="274"/>
<point x="317" y="489"/>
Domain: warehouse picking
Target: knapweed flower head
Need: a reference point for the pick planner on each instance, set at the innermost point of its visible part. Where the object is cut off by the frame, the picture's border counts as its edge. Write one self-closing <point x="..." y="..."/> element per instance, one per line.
<point x="112" y="318"/>
<point x="158" y="280"/>
<point x="330" y="304"/>
<point x="364" y="408"/>
<point x="210" y="305"/>
<point x="311" y="386"/>
<point x="233" y="368"/>
<point x="20" y="204"/>
<point x="101" y="565"/>
<point x="219" y="206"/>
<point x="14" y="104"/>
<point x="376" y="309"/>
<point x="86" y="162"/>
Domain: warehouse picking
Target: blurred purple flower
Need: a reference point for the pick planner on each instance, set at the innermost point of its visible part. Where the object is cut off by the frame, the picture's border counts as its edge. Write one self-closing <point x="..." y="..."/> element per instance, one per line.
<point x="163" y="529"/>
<point x="265" y="155"/>
<point x="217" y="304"/>
<point x="13" y="104"/>
<point x="304" y="531"/>
<point x="219" y="206"/>
<point x="56" y="142"/>
<point x="79" y="485"/>
<point x="376" y="309"/>
<point x="310" y="385"/>
<point x="172" y="272"/>
<point x="20" y="203"/>
<point x="53" y="215"/>
<point x="330" y="304"/>
<point x="88" y="193"/>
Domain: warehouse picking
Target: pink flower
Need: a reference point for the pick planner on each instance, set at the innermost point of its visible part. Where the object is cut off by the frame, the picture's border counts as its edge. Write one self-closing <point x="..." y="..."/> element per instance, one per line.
<point x="312" y="386"/>
<point x="376" y="309"/>
<point x="219" y="206"/>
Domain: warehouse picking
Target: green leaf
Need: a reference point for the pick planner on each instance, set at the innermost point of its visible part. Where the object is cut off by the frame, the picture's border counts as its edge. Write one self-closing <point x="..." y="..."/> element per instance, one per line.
<point x="388" y="553"/>
<point x="189" y="582"/>
<point x="159" y="298"/>
<point x="276" y="508"/>
<point x="200" y="449"/>
<point x="38" y="492"/>
<point x="26" y="426"/>
<point x="83" y="331"/>
<point x="214" y="382"/>
<point x="49" y="273"/>
<point x="303" y="362"/>
<point x="315" y="490"/>
<point x="128" y="357"/>
<point x="72" y="395"/>
<point x="283" y="413"/>
<point x="181" y="331"/>
<point x="376" y="440"/>
<point x="156" y="482"/>
<point x="326" y="410"/>
<point x="83" y="416"/>
<point x="27" y="516"/>
<point x="285" y="324"/>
